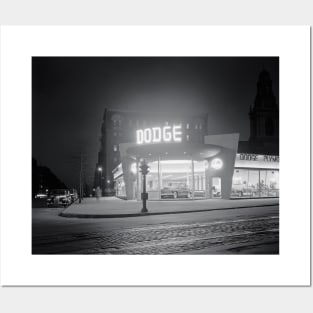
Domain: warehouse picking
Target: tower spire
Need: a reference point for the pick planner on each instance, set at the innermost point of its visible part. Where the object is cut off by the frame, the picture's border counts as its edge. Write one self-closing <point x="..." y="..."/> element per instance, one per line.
<point x="264" y="115"/>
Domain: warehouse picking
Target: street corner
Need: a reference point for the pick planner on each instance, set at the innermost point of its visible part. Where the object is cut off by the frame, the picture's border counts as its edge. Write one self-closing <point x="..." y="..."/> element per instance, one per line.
<point x="116" y="208"/>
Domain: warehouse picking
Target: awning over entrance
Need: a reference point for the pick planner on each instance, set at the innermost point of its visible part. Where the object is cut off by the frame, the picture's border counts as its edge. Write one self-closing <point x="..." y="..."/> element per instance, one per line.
<point x="169" y="151"/>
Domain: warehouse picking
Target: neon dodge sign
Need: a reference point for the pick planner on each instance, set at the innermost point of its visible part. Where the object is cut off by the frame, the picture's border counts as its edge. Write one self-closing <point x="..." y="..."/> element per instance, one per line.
<point x="159" y="134"/>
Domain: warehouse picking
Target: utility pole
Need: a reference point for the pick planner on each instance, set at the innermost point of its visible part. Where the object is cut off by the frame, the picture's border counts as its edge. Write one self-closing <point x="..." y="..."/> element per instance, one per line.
<point x="81" y="178"/>
<point x="79" y="166"/>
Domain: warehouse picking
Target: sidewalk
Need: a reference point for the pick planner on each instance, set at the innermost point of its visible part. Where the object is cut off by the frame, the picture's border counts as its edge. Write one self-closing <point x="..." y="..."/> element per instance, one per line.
<point x="110" y="207"/>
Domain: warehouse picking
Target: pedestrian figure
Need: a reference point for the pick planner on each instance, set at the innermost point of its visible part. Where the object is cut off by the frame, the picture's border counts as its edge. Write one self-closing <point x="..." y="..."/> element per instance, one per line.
<point x="98" y="193"/>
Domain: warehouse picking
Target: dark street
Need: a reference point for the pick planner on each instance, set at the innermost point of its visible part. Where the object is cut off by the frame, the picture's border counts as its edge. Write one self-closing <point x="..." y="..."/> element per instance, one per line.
<point x="252" y="230"/>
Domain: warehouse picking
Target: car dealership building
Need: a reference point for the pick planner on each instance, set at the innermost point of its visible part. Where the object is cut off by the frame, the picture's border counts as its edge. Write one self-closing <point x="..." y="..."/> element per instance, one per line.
<point x="185" y="160"/>
<point x="212" y="169"/>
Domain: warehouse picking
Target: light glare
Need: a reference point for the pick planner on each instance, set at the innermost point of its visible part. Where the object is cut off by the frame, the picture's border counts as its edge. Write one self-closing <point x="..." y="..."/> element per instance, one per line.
<point x="167" y="136"/>
<point x="177" y="133"/>
<point x="139" y="135"/>
<point x="133" y="168"/>
<point x="217" y="164"/>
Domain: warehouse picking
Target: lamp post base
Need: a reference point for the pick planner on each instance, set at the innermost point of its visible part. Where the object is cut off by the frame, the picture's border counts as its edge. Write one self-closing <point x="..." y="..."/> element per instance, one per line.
<point x="144" y="197"/>
<point x="144" y="210"/>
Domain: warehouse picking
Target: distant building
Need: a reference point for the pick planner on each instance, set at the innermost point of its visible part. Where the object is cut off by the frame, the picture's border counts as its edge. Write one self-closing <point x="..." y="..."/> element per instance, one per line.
<point x="43" y="179"/>
<point x="264" y="120"/>
<point x="186" y="161"/>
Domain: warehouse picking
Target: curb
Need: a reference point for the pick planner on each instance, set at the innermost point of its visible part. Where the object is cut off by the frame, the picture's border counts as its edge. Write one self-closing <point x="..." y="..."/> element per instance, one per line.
<point x="155" y="213"/>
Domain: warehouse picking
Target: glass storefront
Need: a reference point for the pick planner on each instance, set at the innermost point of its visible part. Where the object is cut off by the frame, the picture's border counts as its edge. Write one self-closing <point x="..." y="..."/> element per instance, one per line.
<point x="252" y="183"/>
<point x="175" y="179"/>
<point x="191" y="179"/>
<point x="120" y="187"/>
<point x="199" y="179"/>
<point x="216" y="187"/>
<point x="152" y="180"/>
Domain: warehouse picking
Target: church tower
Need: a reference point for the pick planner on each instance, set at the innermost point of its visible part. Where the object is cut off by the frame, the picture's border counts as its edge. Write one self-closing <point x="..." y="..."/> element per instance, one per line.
<point x="264" y="115"/>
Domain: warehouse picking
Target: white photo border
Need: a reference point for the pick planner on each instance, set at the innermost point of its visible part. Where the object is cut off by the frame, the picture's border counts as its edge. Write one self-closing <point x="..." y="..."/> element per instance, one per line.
<point x="291" y="267"/>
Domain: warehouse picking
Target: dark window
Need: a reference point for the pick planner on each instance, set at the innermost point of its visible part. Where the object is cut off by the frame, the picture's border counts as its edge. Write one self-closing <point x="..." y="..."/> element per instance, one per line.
<point x="269" y="127"/>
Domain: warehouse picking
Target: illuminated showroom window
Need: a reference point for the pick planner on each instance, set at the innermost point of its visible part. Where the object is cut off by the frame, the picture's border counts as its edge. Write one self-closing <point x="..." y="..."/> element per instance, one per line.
<point x="120" y="187"/>
<point x="255" y="183"/>
<point x="199" y="178"/>
<point x="152" y="176"/>
<point x="273" y="179"/>
<point x="176" y="179"/>
<point x="187" y="137"/>
<point x="240" y="182"/>
<point x="269" y="183"/>
<point x="187" y="126"/>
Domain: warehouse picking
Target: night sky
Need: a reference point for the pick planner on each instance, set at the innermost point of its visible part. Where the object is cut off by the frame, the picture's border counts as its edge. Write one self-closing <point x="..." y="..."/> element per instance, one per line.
<point x="69" y="96"/>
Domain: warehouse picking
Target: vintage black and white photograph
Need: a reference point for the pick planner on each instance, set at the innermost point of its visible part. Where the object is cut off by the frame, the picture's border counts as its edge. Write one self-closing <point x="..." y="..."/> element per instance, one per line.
<point x="155" y="155"/>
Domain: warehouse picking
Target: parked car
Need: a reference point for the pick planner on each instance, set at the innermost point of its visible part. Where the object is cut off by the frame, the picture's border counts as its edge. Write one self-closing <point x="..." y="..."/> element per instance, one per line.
<point x="41" y="195"/>
<point x="59" y="197"/>
<point x="74" y="195"/>
<point x="246" y="192"/>
<point x="176" y="190"/>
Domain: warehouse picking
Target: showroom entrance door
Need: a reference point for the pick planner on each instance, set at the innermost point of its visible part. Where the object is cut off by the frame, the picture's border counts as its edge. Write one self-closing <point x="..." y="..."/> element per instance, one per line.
<point x="216" y="190"/>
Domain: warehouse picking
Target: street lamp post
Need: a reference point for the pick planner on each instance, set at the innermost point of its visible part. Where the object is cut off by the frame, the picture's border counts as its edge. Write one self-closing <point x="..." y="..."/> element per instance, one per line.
<point x="100" y="170"/>
<point x="144" y="195"/>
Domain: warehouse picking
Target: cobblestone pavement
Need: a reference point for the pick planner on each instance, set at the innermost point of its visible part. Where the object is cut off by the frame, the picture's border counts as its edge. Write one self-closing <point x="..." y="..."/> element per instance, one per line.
<point x="218" y="237"/>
